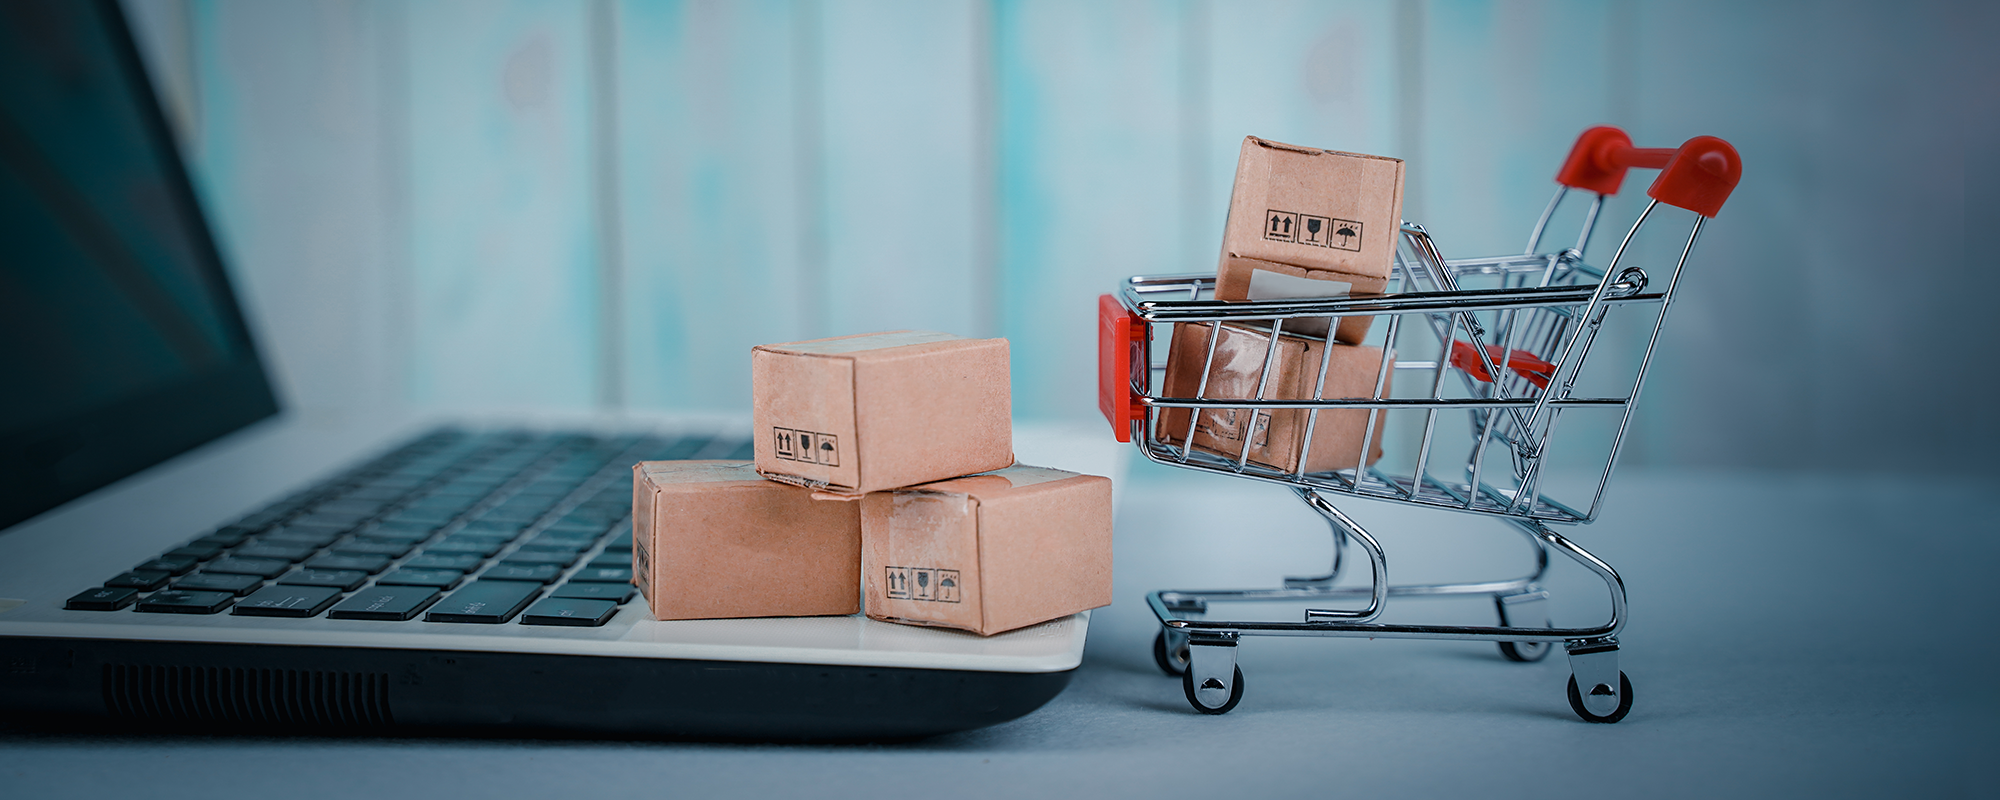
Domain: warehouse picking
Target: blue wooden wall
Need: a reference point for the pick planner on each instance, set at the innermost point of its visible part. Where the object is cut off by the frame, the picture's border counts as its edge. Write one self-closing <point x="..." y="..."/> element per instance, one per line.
<point x="519" y="205"/>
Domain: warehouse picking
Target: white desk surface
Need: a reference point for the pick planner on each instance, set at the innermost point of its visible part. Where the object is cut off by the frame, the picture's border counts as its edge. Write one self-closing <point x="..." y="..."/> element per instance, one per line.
<point x="1790" y="636"/>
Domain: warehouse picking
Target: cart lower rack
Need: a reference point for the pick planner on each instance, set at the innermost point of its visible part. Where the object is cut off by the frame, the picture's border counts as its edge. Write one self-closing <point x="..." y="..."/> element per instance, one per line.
<point x="1503" y="343"/>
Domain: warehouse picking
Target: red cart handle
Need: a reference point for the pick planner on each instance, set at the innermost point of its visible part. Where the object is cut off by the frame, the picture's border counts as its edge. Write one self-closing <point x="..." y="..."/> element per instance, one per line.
<point x="1121" y="349"/>
<point x="1698" y="176"/>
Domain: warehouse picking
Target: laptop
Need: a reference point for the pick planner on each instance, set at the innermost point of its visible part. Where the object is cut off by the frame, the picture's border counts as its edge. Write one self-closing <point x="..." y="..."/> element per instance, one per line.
<point x="178" y="555"/>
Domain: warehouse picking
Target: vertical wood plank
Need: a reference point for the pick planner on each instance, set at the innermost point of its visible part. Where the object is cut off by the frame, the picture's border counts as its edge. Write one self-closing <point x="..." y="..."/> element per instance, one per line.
<point x="502" y="235"/>
<point x="1090" y="185"/>
<point x="709" y="165"/>
<point x="903" y="171"/>
<point x="290" y="158"/>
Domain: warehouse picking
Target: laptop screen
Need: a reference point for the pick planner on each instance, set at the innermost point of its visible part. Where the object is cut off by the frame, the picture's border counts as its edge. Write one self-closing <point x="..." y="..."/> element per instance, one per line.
<point x="120" y="341"/>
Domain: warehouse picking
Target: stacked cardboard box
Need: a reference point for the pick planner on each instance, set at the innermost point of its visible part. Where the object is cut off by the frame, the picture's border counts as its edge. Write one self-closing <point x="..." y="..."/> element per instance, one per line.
<point x="1303" y="223"/>
<point x="884" y="465"/>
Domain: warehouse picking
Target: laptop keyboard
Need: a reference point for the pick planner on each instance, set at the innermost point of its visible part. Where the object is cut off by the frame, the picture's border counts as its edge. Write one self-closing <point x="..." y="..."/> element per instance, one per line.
<point x="455" y="526"/>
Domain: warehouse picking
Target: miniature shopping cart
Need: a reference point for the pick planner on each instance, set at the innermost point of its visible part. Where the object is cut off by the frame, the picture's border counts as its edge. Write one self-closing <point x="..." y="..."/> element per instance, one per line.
<point x="1502" y="344"/>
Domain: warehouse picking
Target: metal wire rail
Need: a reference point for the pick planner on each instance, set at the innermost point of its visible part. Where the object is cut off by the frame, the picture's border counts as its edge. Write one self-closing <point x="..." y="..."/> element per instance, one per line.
<point x="1516" y="330"/>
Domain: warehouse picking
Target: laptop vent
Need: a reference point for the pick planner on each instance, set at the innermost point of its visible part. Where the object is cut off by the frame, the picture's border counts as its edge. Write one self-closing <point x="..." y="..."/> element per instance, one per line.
<point x="222" y="694"/>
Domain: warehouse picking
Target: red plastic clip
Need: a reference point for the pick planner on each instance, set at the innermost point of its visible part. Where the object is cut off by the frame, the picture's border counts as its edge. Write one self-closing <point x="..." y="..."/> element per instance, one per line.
<point x="1697" y="176"/>
<point x="1121" y="354"/>
<point x="1525" y="364"/>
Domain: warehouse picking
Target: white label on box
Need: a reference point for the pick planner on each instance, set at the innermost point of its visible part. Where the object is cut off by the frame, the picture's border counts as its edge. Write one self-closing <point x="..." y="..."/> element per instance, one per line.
<point x="1268" y="285"/>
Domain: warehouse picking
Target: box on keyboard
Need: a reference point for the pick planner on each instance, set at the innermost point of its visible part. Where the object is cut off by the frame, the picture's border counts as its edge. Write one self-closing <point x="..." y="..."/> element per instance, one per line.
<point x="712" y="539"/>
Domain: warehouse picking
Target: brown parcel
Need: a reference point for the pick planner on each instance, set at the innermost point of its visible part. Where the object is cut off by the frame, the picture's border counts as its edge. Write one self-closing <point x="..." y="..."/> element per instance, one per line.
<point x="1334" y="216"/>
<point x="711" y="539"/>
<point x="1241" y="278"/>
<point x="858" y="414"/>
<point x="988" y="553"/>
<point x="1239" y="360"/>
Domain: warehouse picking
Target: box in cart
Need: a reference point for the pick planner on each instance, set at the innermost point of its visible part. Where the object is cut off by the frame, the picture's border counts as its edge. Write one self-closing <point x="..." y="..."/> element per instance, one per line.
<point x="988" y="553"/>
<point x="712" y="539"/>
<point x="1240" y="278"/>
<point x="1275" y="436"/>
<point x="857" y="414"/>
<point x="1325" y="216"/>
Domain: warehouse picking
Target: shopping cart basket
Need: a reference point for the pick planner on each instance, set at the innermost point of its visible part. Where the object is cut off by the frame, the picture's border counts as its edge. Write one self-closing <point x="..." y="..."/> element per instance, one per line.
<point x="1501" y="342"/>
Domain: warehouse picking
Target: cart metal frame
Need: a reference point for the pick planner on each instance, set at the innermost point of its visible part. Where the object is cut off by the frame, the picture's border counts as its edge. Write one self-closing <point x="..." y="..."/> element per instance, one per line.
<point x="1503" y="312"/>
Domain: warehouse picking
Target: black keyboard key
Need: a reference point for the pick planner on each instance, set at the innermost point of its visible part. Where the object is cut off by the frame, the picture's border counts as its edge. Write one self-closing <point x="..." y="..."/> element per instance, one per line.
<point x="531" y="558"/>
<point x="170" y="564"/>
<point x="228" y="537"/>
<point x="341" y="522"/>
<point x="570" y="611"/>
<point x="492" y="530"/>
<point x="282" y="551"/>
<point x="387" y="533"/>
<point x="438" y="578"/>
<point x="368" y="564"/>
<point x="182" y="601"/>
<point x="361" y="547"/>
<point x="487" y="602"/>
<point x="300" y="535"/>
<point x="612" y="558"/>
<point x="102" y="598"/>
<point x="143" y="580"/>
<point x="540" y="573"/>
<point x="615" y="592"/>
<point x="583" y="538"/>
<point x="582" y="528"/>
<point x="260" y="567"/>
<point x="350" y="505"/>
<point x="430" y="516"/>
<point x="520" y="516"/>
<point x="287" y="601"/>
<point x="390" y="603"/>
<point x="198" y="550"/>
<point x="346" y="580"/>
<point x="558" y="544"/>
<point x="463" y="562"/>
<point x="206" y="581"/>
<point x="477" y="546"/>
<point x="603" y="575"/>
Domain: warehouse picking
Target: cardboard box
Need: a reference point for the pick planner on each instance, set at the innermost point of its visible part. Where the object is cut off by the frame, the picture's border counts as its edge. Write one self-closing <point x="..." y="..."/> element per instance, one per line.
<point x="1275" y="436"/>
<point x="711" y="540"/>
<point x="988" y="553"/>
<point x="858" y="414"/>
<point x="1330" y="216"/>
<point x="1242" y="278"/>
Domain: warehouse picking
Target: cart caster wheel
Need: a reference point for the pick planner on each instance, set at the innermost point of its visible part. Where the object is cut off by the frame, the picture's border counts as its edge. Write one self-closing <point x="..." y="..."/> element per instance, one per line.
<point x="1525" y="652"/>
<point x="1173" y="661"/>
<point x="1576" y="701"/>
<point x="1235" y="694"/>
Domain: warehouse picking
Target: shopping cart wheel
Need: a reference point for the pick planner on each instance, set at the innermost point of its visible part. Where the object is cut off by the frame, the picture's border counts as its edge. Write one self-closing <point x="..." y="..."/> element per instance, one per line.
<point x="1173" y="659"/>
<point x="1194" y="698"/>
<point x="1576" y="701"/>
<point x="1525" y="652"/>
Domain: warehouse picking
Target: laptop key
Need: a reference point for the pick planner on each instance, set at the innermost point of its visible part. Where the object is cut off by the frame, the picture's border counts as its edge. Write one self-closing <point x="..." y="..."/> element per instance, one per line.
<point x="102" y="598"/>
<point x="537" y="573"/>
<point x="368" y="564"/>
<point x="389" y="603"/>
<point x="570" y="611"/>
<point x="603" y="575"/>
<point x="282" y="551"/>
<point x="612" y="558"/>
<point x="260" y="567"/>
<point x="287" y="601"/>
<point x="198" y="550"/>
<point x="144" y="580"/>
<point x="373" y="548"/>
<point x="206" y="581"/>
<point x="439" y="578"/>
<point x="477" y="546"/>
<point x="614" y="592"/>
<point x="532" y="558"/>
<point x="183" y="601"/>
<point x="170" y="564"/>
<point x="346" y="580"/>
<point x="485" y="602"/>
<point x="463" y="562"/>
